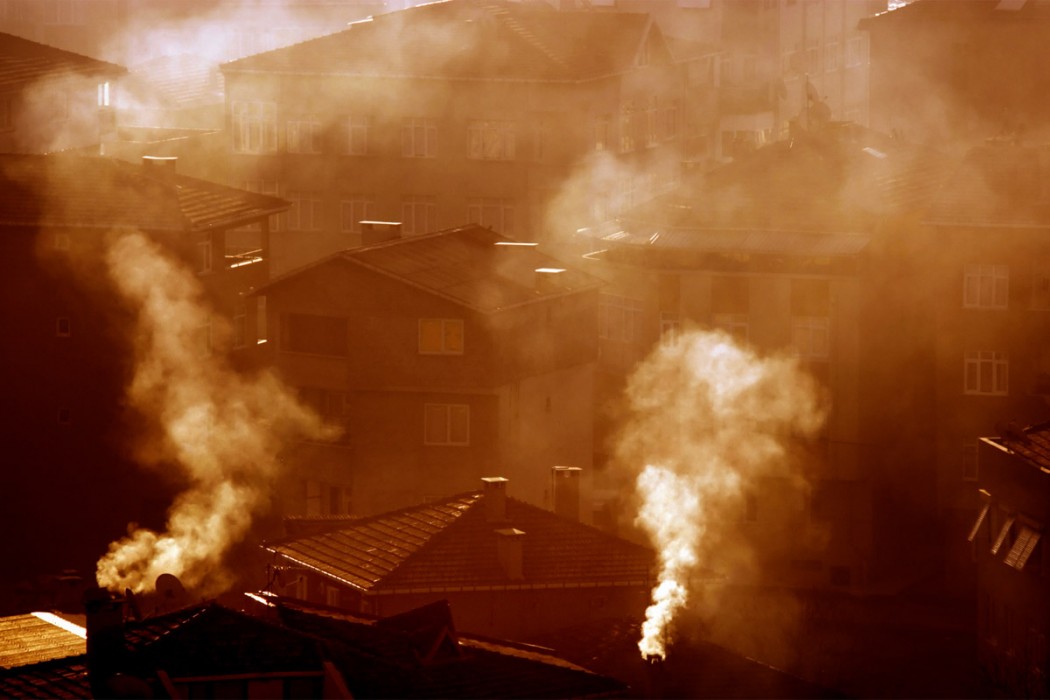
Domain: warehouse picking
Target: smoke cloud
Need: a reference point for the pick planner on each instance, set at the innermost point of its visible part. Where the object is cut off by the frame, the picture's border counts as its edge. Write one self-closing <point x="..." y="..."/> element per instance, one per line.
<point x="709" y="420"/>
<point x="220" y="430"/>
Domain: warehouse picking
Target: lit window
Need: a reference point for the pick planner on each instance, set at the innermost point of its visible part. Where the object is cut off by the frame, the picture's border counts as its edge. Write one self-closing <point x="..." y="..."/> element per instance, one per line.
<point x="1022" y="548"/>
<point x="440" y="336"/>
<point x="354" y="210"/>
<point x="986" y="286"/>
<point x="491" y="140"/>
<point x="254" y="126"/>
<point x="418" y="138"/>
<point x="986" y="372"/>
<point x="418" y="214"/>
<point x="446" y="424"/>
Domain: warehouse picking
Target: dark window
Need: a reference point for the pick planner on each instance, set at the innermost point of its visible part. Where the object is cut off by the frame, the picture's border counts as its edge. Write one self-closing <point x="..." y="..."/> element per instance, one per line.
<point x="320" y="335"/>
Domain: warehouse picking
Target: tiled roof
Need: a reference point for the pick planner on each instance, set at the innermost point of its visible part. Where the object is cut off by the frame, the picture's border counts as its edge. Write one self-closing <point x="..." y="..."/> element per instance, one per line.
<point x="469" y="39"/>
<point x="451" y="545"/>
<point x="469" y="265"/>
<point x="1031" y="443"/>
<point x="181" y="80"/>
<point x="997" y="184"/>
<point x="59" y="678"/>
<point x="31" y="638"/>
<point x="23" y="61"/>
<point x="92" y="191"/>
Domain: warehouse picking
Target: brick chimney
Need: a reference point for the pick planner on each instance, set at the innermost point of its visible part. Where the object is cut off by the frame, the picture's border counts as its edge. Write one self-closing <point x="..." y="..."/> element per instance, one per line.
<point x="495" y="499"/>
<point x="510" y="550"/>
<point x="105" y="639"/>
<point x="565" y="483"/>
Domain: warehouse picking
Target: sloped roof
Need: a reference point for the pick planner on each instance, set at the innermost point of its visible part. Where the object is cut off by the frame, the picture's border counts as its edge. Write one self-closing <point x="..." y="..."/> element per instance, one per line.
<point x="469" y="265"/>
<point x="471" y="39"/>
<point x="1031" y="443"/>
<point x="96" y="192"/>
<point x="450" y="544"/>
<point x="58" y="678"/>
<point x="23" y="61"/>
<point x="996" y="184"/>
<point x="31" y="638"/>
<point x="180" y="80"/>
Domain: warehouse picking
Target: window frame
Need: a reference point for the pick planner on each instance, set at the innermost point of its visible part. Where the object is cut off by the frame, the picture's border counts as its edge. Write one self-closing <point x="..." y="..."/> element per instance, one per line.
<point x="253" y="126"/>
<point x="975" y="277"/>
<point x="449" y="439"/>
<point x="447" y="328"/>
<point x="999" y="365"/>
<point x="418" y="137"/>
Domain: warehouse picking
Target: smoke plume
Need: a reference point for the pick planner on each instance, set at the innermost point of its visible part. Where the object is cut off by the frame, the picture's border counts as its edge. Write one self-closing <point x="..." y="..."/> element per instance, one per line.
<point x="220" y="430"/>
<point x="709" y="419"/>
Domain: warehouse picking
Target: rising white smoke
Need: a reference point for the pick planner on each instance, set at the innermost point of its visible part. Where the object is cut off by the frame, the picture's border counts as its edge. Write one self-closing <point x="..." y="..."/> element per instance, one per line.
<point x="708" y="420"/>
<point x="222" y="431"/>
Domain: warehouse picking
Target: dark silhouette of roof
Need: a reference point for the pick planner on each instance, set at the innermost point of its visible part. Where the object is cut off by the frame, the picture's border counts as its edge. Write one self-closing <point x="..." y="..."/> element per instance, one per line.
<point x="470" y="265"/>
<point x="451" y="544"/>
<point x="471" y="39"/>
<point x="23" y="61"/>
<point x="96" y="192"/>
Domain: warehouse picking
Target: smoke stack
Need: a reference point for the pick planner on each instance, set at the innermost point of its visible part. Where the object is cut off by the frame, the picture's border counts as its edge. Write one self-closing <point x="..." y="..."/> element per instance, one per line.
<point x="566" y="486"/>
<point x="510" y="549"/>
<point x="160" y="167"/>
<point x="105" y="639"/>
<point x="495" y="499"/>
<point x="379" y="231"/>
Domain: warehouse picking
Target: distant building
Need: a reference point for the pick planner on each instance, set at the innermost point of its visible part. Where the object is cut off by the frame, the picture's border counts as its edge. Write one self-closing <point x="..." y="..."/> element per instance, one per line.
<point x="508" y="568"/>
<point x="278" y="648"/>
<point x="952" y="73"/>
<point x="440" y="355"/>
<point x="454" y="112"/>
<point x="1010" y="511"/>
<point x="69" y="351"/>
<point x="801" y="247"/>
<point x="53" y="100"/>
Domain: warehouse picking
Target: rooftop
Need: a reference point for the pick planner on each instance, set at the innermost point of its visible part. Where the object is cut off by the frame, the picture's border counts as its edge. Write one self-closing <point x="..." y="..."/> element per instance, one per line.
<point x="23" y="61"/>
<point x="97" y="192"/>
<point x="35" y="637"/>
<point x="451" y="544"/>
<point x="471" y="39"/>
<point x="1031" y="443"/>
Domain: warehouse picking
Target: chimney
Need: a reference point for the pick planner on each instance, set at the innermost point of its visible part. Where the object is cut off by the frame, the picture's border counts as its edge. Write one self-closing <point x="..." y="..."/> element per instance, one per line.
<point x="160" y="167"/>
<point x="565" y="483"/>
<point x="379" y="231"/>
<point x="495" y="499"/>
<point x="510" y="548"/>
<point x="546" y="279"/>
<point x="105" y="639"/>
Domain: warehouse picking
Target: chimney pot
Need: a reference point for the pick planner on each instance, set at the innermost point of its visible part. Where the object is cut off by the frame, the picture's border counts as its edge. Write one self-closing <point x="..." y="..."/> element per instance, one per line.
<point x="510" y="550"/>
<point x="495" y="498"/>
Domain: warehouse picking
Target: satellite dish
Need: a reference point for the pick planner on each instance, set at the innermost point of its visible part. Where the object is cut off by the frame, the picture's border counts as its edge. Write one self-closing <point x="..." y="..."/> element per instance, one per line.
<point x="170" y="590"/>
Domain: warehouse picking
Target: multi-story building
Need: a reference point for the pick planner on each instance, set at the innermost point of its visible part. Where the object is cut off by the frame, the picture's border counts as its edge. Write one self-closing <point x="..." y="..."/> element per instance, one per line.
<point x="453" y="112"/>
<point x="439" y="355"/>
<point x="69" y="351"/>
<point x="799" y="248"/>
<point x="53" y="100"/>
<point x="1009" y="515"/>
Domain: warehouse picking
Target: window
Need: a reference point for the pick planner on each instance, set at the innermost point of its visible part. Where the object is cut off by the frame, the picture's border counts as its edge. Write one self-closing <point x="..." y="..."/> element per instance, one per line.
<point x="303" y="136"/>
<point x="602" y="130"/>
<point x="326" y="499"/>
<point x="356" y="131"/>
<point x="670" y="327"/>
<point x="418" y="214"/>
<point x="810" y="337"/>
<point x="491" y="140"/>
<point x="319" y="335"/>
<point x="353" y="210"/>
<point x="492" y="212"/>
<point x="1041" y="288"/>
<point x="831" y="56"/>
<point x="254" y="127"/>
<point x="1022" y="548"/>
<point x="204" y="256"/>
<point x="63" y="327"/>
<point x="440" y="336"/>
<point x="985" y="372"/>
<point x="305" y="214"/>
<point x="446" y="424"/>
<point x="619" y="318"/>
<point x="969" y="462"/>
<point x="855" y="52"/>
<point x="985" y="286"/>
<point x="418" y="138"/>
<point x="736" y="325"/>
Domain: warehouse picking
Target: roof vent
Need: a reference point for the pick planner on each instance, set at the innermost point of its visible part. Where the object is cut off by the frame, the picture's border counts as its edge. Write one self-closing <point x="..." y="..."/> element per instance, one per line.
<point x="565" y="483"/>
<point x="495" y="499"/>
<point x="510" y="550"/>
